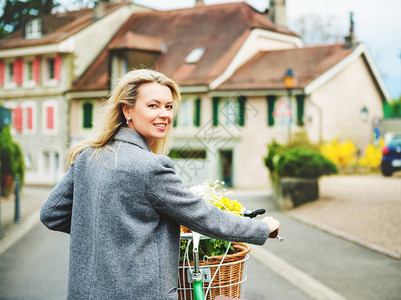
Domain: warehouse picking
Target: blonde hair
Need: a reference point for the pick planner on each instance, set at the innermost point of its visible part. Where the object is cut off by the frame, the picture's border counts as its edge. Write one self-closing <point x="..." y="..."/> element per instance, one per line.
<point x="126" y="92"/>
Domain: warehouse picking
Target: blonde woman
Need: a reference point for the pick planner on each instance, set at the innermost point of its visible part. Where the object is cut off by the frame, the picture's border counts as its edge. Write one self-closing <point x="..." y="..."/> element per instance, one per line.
<point x="122" y="202"/>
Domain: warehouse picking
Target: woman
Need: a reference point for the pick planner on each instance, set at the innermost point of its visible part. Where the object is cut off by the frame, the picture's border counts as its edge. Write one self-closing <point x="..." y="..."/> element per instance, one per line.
<point x="122" y="202"/>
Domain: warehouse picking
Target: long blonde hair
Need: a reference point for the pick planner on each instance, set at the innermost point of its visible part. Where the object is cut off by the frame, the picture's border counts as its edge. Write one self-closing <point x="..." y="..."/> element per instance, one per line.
<point x="126" y="92"/>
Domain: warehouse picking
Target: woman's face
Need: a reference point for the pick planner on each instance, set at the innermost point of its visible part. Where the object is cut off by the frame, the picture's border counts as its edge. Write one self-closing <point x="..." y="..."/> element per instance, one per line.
<point x="152" y="114"/>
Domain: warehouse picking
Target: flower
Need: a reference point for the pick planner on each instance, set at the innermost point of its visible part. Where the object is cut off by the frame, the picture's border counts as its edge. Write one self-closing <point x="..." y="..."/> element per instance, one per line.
<point x="213" y="192"/>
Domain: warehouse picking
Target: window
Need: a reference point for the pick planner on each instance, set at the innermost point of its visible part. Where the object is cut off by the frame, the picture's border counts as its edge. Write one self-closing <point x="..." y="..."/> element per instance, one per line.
<point x="33" y="29"/>
<point x="50" y="68"/>
<point x="49" y="113"/>
<point x="29" y="70"/>
<point x="10" y="72"/>
<point x="300" y="109"/>
<point x="230" y="111"/>
<point x="189" y="113"/>
<point x="195" y="55"/>
<point x="87" y="109"/>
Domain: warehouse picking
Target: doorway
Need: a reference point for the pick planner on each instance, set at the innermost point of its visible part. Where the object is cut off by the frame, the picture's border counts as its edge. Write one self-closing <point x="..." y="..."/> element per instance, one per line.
<point x="226" y="161"/>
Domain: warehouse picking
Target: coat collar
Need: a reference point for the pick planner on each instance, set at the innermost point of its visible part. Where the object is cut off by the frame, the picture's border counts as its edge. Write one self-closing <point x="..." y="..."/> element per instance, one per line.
<point x="131" y="136"/>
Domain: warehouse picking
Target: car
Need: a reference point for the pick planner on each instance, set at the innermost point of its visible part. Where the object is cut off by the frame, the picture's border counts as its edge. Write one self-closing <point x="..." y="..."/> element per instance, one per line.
<point x="391" y="159"/>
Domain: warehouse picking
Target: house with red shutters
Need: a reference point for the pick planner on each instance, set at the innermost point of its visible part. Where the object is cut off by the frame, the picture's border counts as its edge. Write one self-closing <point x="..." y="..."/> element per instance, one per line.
<point x="245" y="79"/>
<point x="38" y="64"/>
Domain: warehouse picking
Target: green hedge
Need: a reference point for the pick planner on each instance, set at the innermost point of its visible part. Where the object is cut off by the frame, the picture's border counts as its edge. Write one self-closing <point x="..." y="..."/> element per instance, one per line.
<point x="300" y="160"/>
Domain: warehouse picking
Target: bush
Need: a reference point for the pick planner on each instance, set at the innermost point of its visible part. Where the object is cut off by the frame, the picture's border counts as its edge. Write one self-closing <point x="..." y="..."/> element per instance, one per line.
<point x="303" y="163"/>
<point x="12" y="159"/>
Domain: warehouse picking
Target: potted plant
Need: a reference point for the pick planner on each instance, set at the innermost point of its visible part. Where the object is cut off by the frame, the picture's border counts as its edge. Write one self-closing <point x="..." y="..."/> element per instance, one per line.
<point x="294" y="173"/>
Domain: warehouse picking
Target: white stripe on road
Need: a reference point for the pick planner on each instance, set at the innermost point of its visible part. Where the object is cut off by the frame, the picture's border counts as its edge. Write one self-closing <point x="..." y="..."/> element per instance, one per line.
<point x="296" y="277"/>
<point x="18" y="231"/>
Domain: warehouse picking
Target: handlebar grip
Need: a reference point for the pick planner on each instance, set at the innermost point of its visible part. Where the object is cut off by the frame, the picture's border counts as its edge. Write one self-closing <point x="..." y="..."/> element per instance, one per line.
<point x="253" y="214"/>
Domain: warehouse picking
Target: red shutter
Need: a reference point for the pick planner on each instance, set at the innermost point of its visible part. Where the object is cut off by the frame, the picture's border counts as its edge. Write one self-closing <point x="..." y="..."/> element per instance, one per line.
<point x="57" y="67"/>
<point x="1" y="72"/>
<point x="17" y="112"/>
<point x="29" y="118"/>
<point x="50" y="117"/>
<point x="36" y="69"/>
<point x="18" y="71"/>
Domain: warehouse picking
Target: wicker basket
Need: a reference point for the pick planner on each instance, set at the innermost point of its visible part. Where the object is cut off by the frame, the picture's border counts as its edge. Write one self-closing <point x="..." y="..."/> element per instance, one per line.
<point x="229" y="279"/>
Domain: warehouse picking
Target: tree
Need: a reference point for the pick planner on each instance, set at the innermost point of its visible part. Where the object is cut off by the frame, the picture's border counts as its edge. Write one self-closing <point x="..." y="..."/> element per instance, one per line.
<point x="16" y="12"/>
<point x="314" y="29"/>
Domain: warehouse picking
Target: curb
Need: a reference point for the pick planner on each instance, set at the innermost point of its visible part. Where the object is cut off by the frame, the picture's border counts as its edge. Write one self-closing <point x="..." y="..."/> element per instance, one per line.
<point x="17" y="231"/>
<point x="304" y="282"/>
<point x="345" y="236"/>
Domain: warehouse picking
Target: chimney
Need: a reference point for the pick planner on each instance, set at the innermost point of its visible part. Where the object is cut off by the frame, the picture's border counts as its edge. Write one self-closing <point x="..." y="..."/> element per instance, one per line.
<point x="199" y="2"/>
<point x="278" y="12"/>
<point x="350" y="39"/>
<point x="98" y="10"/>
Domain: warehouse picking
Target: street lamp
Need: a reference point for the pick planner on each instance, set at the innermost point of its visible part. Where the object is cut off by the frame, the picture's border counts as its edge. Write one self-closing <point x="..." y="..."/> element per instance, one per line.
<point x="289" y="84"/>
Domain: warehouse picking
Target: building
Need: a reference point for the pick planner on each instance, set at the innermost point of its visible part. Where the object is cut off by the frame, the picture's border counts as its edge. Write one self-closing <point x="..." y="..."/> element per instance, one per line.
<point x="230" y="62"/>
<point x="38" y="64"/>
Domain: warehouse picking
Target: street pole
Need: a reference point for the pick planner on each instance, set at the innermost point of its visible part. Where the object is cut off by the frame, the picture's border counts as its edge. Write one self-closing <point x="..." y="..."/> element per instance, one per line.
<point x="289" y="91"/>
<point x="17" y="215"/>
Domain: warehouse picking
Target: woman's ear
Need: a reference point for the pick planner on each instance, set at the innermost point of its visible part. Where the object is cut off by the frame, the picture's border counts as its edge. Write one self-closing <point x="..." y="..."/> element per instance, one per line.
<point x="126" y="111"/>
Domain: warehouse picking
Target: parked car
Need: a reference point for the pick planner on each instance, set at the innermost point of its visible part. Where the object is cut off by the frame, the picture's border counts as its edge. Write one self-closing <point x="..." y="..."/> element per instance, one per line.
<point x="391" y="160"/>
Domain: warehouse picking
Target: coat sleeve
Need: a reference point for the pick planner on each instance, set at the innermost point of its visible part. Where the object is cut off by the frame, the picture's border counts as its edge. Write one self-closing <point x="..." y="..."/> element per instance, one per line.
<point x="56" y="211"/>
<point x="170" y="197"/>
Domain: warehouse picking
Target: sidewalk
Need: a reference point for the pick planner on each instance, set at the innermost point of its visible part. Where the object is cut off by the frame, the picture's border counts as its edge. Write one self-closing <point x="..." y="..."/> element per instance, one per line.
<point x="31" y="199"/>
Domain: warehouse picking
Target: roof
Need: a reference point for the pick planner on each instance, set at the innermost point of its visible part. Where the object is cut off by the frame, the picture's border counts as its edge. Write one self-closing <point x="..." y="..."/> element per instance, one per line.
<point x="221" y="29"/>
<point x="63" y="25"/>
<point x="266" y="69"/>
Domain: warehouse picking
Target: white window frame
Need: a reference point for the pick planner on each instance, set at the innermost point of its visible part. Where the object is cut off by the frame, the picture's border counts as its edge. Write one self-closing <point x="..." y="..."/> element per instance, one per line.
<point x="9" y="83"/>
<point x="28" y="83"/>
<point x="186" y="113"/>
<point x="36" y="29"/>
<point x="49" y="82"/>
<point x="228" y="112"/>
<point x="25" y="105"/>
<point x="46" y="104"/>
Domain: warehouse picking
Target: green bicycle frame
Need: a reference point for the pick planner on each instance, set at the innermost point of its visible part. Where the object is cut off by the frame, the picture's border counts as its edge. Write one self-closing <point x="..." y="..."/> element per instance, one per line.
<point x="197" y="274"/>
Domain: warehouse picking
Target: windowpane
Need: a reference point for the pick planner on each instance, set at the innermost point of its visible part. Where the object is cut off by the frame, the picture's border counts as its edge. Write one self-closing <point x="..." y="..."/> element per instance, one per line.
<point x="50" y="68"/>
<point x="10" y="72"/>
<point x="29" y="67"/>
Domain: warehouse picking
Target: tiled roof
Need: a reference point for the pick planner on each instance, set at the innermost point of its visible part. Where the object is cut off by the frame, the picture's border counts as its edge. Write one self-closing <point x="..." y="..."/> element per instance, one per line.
<point x="63" y="25"/>
<point x="266" y="69"/>
<point x="134" y="41"/>
<point x="220" y="29"/>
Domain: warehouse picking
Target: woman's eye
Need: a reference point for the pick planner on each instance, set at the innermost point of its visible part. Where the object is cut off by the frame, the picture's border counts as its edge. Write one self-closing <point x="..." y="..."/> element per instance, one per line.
<point x="169" y="107"/>
<point x="152" y="105"/>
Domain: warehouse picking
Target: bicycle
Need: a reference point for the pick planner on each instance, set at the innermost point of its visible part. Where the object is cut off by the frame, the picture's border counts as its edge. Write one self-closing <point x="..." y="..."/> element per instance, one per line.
<point x="199" y="275"/>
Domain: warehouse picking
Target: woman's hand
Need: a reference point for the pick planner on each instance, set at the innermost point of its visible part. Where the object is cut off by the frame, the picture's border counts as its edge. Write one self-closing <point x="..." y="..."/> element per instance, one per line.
<point x="274" y="226"/>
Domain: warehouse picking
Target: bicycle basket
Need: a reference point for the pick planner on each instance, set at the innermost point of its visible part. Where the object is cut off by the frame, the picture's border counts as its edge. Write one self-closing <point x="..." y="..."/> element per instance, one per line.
<point x="229" y="280"/>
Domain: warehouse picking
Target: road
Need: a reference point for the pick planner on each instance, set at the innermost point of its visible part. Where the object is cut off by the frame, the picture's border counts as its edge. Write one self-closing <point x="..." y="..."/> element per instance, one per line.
<point x="36" y="266"/>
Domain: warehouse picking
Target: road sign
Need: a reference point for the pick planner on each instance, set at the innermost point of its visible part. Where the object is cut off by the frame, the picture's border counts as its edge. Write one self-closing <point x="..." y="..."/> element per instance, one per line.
<point x="282" y="109"/>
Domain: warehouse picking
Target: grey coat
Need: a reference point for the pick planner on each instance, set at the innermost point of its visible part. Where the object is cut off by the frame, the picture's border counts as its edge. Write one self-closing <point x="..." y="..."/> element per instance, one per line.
<point x="123" y="210"/>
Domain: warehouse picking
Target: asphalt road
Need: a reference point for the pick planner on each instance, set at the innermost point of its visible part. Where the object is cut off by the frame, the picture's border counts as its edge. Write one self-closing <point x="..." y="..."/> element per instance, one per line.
<point x="36" y="268"/>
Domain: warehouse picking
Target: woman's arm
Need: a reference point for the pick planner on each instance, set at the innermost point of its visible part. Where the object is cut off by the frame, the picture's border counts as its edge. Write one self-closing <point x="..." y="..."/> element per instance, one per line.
<point x="170" y="197"/>
<point x="56" y="211"/>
